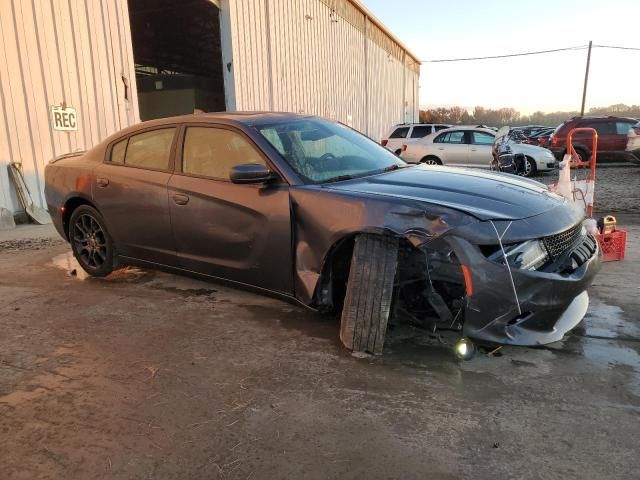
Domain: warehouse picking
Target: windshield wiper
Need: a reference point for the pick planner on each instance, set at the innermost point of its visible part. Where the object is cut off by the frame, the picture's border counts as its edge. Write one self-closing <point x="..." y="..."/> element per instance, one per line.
<point x="393" y="167"/>
<point x="339" y="178"/>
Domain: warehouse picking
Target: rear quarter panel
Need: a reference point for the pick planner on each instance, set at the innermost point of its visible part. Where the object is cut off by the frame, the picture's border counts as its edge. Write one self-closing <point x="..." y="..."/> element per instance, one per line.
<point x="68" y="178"/>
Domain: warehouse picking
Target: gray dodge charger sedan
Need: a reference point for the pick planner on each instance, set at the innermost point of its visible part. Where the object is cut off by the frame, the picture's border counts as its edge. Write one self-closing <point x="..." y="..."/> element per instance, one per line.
<point x="314" y="212"/>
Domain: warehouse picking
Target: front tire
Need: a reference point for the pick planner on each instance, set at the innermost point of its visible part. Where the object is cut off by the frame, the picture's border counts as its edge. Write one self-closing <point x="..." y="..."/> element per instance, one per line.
<point x="529" y="168"/>
<point x="431" y="160"/>
<point x="582" y="155"/>
<point x="367" y="303"/>
<point x="90" y="242"/>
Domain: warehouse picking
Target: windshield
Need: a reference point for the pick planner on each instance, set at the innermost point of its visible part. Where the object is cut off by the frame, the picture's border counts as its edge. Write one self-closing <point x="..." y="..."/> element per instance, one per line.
<point x="321" y="151"/>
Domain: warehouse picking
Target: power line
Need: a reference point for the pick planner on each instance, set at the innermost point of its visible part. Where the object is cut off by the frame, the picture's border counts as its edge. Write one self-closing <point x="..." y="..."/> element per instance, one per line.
<point x="617" y="47"/>
<point x="540" y="52"/>
<point x="580" y="47"/>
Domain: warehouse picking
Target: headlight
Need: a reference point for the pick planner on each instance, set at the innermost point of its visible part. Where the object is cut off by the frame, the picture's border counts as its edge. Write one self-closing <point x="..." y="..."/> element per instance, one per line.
<point x="529" y="255"/>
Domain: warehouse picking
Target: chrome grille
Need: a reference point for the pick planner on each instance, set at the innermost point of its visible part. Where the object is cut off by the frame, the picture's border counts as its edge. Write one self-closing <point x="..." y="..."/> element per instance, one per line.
<point x="557" y="244"/>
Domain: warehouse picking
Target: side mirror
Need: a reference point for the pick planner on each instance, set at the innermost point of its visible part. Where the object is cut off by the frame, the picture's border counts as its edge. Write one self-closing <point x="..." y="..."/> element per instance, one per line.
<point x="250" y="173"/>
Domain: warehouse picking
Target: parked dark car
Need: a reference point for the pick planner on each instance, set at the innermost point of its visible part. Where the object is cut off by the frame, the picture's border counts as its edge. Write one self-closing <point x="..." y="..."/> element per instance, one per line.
<point x="612" y="137"/>
<point x="528" y="130"/>
<point x="312" y="211"/>
<point x="540" y="137"/>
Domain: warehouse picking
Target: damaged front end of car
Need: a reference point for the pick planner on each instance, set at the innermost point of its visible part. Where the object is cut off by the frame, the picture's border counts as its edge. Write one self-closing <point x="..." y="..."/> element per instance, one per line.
<point x="495" y="286"/>
<point x="492" y="258"/>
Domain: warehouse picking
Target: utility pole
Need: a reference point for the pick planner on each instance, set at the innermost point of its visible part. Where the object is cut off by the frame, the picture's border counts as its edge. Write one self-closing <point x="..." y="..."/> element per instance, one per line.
<point x="586" y="79"/>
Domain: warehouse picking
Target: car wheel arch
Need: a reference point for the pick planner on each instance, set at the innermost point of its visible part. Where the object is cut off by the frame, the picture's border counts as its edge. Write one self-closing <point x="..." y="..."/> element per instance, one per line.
<point x="70" y="205"/>
<point x="431" y="157"/>
<point x="331" y="285"/>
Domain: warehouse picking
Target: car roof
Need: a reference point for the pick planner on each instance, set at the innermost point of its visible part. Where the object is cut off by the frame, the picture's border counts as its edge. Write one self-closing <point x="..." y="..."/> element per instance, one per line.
<point x="245" y="118"/>
<point x="419" y="124"/>
<point x="468" y="127"/>
<point x="229" y="118"/>
<point x="601" y="117"/>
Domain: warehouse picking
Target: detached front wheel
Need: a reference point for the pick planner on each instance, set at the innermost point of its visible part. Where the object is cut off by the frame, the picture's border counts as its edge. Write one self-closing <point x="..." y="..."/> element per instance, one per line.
<point x="367" y="303"/>
<point x="90" y="242"/>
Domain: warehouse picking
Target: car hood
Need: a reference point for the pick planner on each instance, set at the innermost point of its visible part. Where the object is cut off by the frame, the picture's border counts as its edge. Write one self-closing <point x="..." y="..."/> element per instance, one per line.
<point x="528" y="149"/>
<point x="485" y="195"/>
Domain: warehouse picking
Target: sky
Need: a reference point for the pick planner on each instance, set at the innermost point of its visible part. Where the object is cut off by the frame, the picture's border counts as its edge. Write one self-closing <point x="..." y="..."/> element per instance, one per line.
<point x="436" y="29"/>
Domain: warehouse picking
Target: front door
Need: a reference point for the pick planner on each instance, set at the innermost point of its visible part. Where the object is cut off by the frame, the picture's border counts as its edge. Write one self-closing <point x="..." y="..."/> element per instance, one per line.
<point x="227" y="230"/>
<point x="130" y="191"/>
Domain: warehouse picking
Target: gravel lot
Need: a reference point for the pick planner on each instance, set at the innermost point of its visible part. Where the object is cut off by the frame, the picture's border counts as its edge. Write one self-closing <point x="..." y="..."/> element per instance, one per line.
<point x="151" y="375"/>
<point x="617" y="188"/>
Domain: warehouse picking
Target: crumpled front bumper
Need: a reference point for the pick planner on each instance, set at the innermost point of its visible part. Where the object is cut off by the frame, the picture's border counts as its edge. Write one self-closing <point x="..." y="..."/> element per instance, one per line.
<point x="551" y="304"/>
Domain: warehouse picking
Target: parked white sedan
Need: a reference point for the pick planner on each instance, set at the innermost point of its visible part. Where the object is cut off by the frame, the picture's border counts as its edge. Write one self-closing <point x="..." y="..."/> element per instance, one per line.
<point x="471" y="147"/>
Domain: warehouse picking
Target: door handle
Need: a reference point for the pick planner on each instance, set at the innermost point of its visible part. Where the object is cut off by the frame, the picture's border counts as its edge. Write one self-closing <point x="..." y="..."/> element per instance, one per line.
<point x="474" y="149"/>
<point x="180" y="199"/>
<point x="440" y="148"/>
<point x="102" y="182"/>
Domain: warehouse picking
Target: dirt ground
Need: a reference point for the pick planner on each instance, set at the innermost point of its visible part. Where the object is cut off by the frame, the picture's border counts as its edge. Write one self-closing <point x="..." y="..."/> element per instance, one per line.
<point x="151" y="375"/>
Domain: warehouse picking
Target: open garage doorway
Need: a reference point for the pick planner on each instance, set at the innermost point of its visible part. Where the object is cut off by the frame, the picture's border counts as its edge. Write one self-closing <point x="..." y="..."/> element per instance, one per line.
<point x="178" y="57"/>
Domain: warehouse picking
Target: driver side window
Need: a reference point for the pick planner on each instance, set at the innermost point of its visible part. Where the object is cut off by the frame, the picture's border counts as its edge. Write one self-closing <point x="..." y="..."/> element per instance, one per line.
<point x="213" y="152"/>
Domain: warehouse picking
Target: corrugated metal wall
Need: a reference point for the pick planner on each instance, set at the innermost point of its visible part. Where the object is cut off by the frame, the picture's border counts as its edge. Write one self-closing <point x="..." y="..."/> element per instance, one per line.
<point x="61" y="51"/>
<point x="323" y="57"/>
<point x="320" y="57"/>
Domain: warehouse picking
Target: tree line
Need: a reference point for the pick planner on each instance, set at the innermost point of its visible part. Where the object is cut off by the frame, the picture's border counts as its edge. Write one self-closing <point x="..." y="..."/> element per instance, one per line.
<point x="510" y="116"/>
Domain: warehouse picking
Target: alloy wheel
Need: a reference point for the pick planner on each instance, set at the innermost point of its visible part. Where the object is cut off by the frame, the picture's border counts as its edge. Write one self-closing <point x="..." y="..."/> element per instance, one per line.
<point x="90" y="241"/>
<point x="528" y="168"/>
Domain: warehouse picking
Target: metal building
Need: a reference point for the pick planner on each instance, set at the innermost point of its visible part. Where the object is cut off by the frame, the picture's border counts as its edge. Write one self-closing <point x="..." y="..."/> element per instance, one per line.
<point x="73" y="72"/>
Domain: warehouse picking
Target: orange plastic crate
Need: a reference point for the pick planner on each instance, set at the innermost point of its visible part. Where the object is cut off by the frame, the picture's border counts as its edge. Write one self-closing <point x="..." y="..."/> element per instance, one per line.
<point x="613" y="245"/>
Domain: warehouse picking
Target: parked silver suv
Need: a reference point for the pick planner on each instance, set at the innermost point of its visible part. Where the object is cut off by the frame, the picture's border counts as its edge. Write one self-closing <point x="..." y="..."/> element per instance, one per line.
<point x="405" y="133"/>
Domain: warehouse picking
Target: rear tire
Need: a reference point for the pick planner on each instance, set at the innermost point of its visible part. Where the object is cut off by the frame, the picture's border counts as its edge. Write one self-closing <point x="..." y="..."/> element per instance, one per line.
<point x="367" y="302"/>
<point x="431" y="160"/>
<point x="90" y="242"/>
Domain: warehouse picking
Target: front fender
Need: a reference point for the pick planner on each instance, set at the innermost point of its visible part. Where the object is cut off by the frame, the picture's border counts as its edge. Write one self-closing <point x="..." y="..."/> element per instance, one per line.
<point x="319" y="232"/>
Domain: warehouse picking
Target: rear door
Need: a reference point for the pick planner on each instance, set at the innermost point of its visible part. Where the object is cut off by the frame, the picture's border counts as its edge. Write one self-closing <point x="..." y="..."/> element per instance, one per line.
<point x="223" y="229"/>
<point x="452" y="147"/>
<point x="480" y="147"/>
<point x="130" y="191"/>
<point x="606" y="136"/>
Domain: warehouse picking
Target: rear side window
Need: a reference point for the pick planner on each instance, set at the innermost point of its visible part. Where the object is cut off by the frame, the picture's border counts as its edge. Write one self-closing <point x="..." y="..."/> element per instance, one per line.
<point x="400" y="133"/>
<point x="450" y="137"/>
<point x="117" y="152"/>
<point x="150" y="150"/>
<point x="420" y="131"/>
<point x="441" y="127"/>
<point x="603" y="128"/>
<point x="213" y="152"/>
<point x="622" y="128"/>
